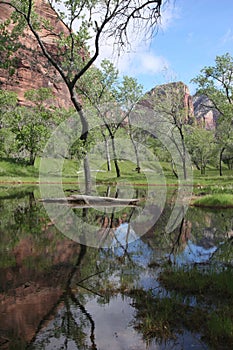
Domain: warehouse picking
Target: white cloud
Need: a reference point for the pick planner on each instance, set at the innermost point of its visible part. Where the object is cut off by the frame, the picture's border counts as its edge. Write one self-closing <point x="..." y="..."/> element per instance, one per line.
<point x="151" y="63"/>
<point x="169" y="12"/>
<point x="138" y="58"/>
<point x="141" y="60"/>
<point x="228" y="37"/>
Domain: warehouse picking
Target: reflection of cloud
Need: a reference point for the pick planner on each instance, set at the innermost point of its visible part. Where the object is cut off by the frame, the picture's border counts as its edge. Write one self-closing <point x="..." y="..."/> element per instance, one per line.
<point x="228" y="37"/>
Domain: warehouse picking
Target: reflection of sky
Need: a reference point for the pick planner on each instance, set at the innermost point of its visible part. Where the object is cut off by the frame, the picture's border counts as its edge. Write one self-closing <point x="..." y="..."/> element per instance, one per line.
<point x="193" y="253"/>
<point x="140" y="253"/>
<point x="123" y="234"/>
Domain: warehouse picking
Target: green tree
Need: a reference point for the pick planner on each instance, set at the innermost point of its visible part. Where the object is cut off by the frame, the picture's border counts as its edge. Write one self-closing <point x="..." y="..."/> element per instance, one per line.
<point x="84" y="20"/>
<point x="96" y="89"/>
<point x="130" y="93"/>
<point x="9" y="44"/>
<point x="228" y="156"/>
<point x="31" y="124"/>
<point x="8" y="102"/>
<point x="114" y="100"/>
<point x="171" y="117"/>
<point x="201" y="146"/>
<point x="216" y="82"/>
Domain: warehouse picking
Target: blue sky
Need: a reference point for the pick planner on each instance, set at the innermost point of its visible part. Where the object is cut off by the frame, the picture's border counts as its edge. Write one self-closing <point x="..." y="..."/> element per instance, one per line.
<point x="198" y="31"/>
<point x="192" y="34"/>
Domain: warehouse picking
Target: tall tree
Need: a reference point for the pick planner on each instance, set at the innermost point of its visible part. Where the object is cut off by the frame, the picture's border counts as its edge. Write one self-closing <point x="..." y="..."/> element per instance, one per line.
<point x="113" y="99"/>
<point x="8" y="102"/>
<point x="31" y="124"/>
<point x="83" y="20"/>
<point x="216" y="82"/>
<point x="130" y="93"/>
<point x="171" y="117"/>
<point x="201" y="146"/>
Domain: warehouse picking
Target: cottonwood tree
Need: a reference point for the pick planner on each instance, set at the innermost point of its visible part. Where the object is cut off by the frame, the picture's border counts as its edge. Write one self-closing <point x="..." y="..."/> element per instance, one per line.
<point x="30" y="125"/>
<point x="201" y="146"/>
<point x="96" y="89"/>
<point x="84" y="20"/>
<point x="113" y="99"/>
<point x="8" y="102"/>
<point x="170" y="117"/>
<point x="130" y="92"/>
<point x="216" y="82"/>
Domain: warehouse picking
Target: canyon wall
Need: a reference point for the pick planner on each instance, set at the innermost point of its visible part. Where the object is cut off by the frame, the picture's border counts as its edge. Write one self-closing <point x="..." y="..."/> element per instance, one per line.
<point x="33" y="70"/>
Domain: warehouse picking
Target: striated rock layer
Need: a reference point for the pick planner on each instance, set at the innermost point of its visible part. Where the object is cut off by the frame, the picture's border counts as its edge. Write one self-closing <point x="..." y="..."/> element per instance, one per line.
<point x="33" y="70"/>
<point x="204" y="112"/>
<point x="174" y="95"/>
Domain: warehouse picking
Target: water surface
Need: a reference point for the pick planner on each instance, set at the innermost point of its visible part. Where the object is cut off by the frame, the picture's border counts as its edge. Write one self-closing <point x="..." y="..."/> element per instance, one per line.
<point x="58" y="294"/>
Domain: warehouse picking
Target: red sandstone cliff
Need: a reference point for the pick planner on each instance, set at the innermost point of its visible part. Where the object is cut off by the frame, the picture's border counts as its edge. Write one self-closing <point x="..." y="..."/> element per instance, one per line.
<point x="204" y="112"/>
<point x="174" y="94"/>
<point x="33" y="70"/>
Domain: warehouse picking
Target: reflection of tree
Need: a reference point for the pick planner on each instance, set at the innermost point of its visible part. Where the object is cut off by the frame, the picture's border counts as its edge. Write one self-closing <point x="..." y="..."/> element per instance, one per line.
<point x="182" y="238"/>
<point x="70" y="329"/>
<point x="165" y="319"/>
<point x="224" y="253"/>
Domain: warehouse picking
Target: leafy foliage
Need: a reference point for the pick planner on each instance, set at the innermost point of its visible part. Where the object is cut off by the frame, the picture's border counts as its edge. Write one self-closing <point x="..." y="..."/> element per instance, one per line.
<point x="216" y="82"/>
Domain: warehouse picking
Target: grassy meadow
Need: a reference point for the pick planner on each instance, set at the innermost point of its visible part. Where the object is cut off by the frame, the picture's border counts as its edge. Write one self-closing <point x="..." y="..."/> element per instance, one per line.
<point x="208" y="190"/>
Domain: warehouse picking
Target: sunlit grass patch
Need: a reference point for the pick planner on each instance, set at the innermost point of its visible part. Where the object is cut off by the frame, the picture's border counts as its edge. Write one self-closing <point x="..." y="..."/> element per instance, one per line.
<point x="224" y="200"/>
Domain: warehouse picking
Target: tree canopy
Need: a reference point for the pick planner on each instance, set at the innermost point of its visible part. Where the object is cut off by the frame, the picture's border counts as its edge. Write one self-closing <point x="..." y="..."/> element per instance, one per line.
<point x="216" y="82"/>
<point x="84" y="20"/>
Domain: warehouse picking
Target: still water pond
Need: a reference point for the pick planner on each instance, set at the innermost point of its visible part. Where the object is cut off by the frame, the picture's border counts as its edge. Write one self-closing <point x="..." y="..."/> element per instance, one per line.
<point x="58" y="294"/>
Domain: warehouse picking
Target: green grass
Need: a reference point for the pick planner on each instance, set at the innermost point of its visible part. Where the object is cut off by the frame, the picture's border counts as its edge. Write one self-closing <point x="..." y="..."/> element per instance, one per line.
<point x="199" y="301"/>
<point x="149" y="174"/>
<point x="160" y="173"/>
<point x="19" y="172"/>
<point x="212" y="284"/>
<point x="14" y="171"/>
<point x="213" y="289"/>
<point x="223" y="200"/>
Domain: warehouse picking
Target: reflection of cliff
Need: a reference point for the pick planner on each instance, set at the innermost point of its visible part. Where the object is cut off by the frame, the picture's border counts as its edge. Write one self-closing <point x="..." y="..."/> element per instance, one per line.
<point x="31" y="288"/>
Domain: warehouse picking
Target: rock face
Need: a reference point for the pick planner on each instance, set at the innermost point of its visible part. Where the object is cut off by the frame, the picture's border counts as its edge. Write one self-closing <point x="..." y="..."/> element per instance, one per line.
<point x="174" y="95"/>
<point x="204" y="112"/>
<point x="33" y="70"/>
<point x="198" y="108"/>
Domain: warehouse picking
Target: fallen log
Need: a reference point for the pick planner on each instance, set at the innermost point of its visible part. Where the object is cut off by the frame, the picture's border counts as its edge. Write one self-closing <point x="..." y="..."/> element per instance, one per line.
<point x="92" y="200"/>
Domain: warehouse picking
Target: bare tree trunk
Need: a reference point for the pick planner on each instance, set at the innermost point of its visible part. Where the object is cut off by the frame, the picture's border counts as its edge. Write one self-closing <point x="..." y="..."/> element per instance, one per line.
<point x="173" y="169"/>
<point x="32" y="158"/>
<point x="84" y="136"/>
<point x="87" y="172"/>
<point x="203" y="169"/>
<point x="115" y="157"/>
<point x="220" y="161"/>
<point x="108" y="158"/>
<point x="183" y="155"/>
<point x="138" y="168"/>
<point x="184" y="166"/>
<point x="108" y="155"/>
